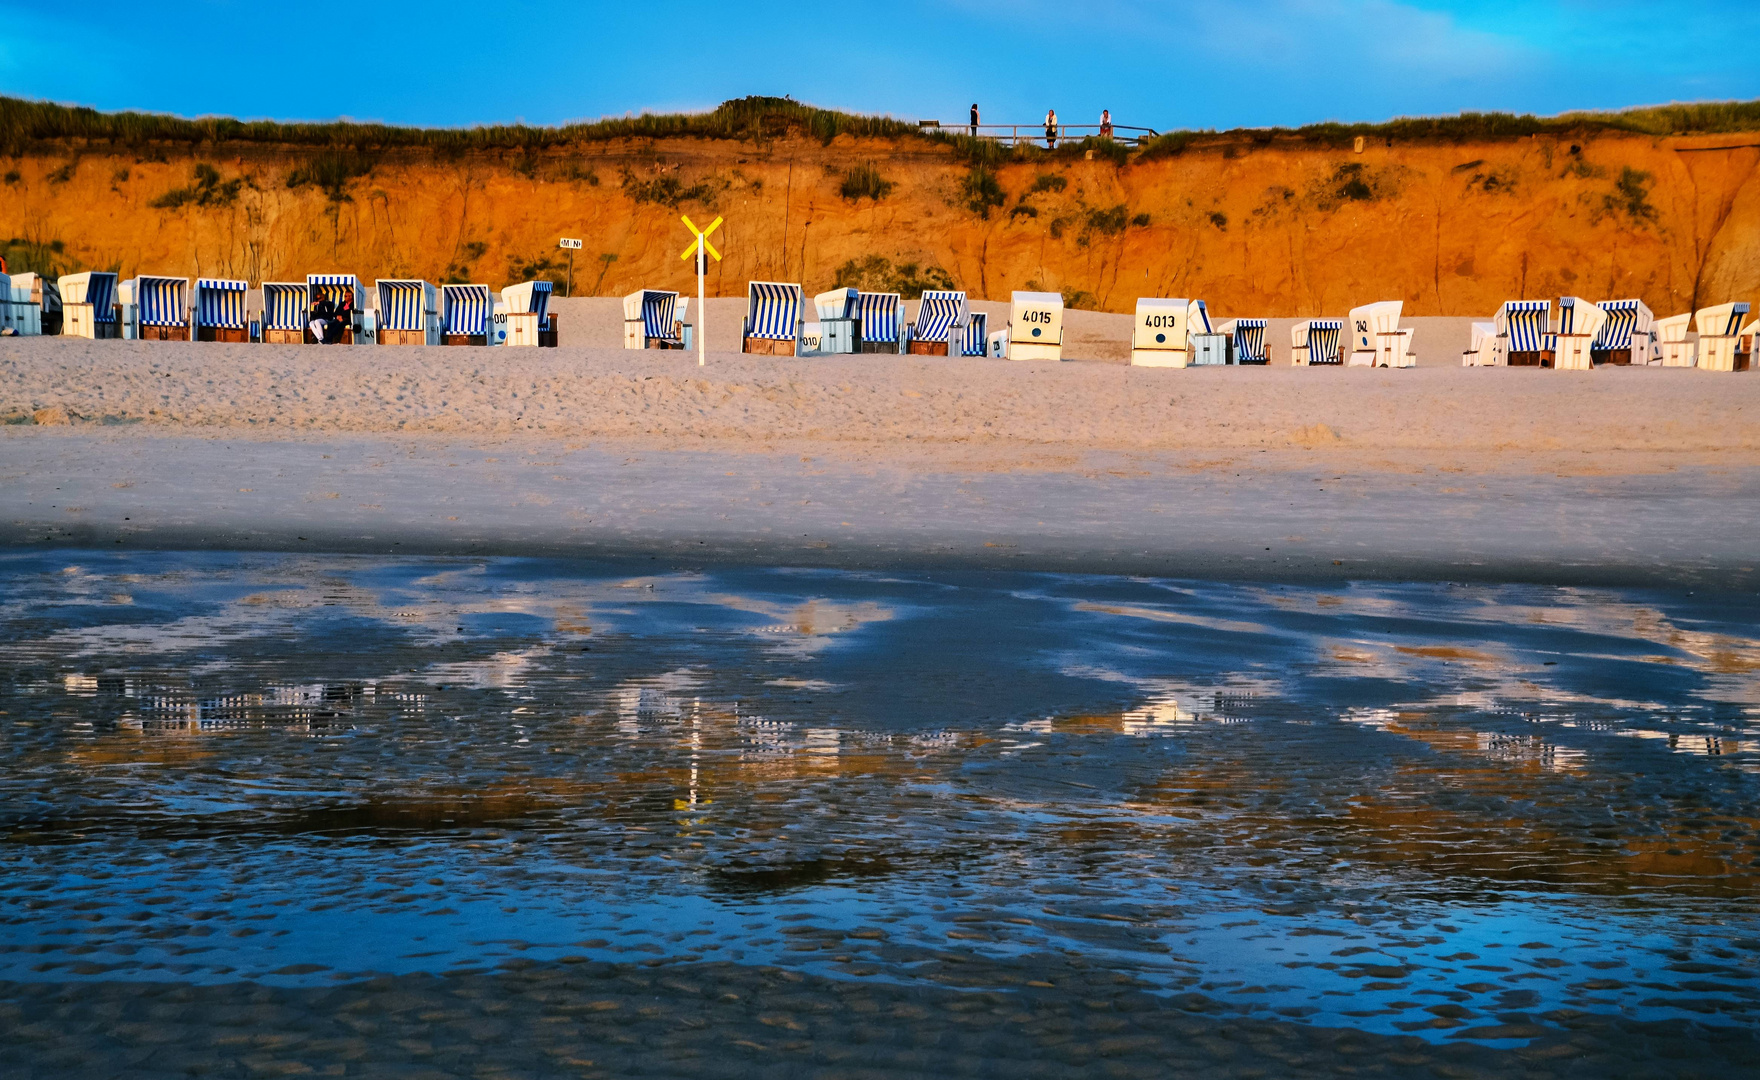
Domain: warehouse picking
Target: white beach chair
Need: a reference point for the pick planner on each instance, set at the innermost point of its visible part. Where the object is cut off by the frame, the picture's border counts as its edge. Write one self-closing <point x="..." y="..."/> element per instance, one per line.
<point x="1376" y="337"/>
<point x="1482" y="347"/>
<point x="773" y="319"/>
<point x="529" y="322"/>
<point x="1745" y="342"/>
<point x="1161" y="335"/>
<point x="941" y="318"/>
<point x="839" y="313"/>
<point x="27" y="300"/>
<point x="88" y="305"/>
<point x="1628" y="336"/>
<point x="1719" y="329"/>
<point x="219" y="310"/>
<point x="882" y="322"/>
<point x="1579" y="324"/>
<point x="1672" y="343"/>
<point x="11" y="311"/>
<point x="1214" y="349"/>
<point x="1035" y="326"/>
<point x="466" y="315"/>
<point x="653" y="319"/>
<point x="1314" y="342"/>
<point x="1247" y="342"/>
<point x="1523" y="327"/>
<point x="409" y="312"/>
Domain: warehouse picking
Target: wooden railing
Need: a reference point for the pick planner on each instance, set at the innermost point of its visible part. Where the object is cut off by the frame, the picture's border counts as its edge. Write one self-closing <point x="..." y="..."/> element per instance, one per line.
<point x="1018" y="134"/>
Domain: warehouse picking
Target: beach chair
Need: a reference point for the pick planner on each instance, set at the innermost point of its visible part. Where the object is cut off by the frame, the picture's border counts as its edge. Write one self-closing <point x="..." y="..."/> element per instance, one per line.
<point x="1523" y="327"/>
<point x="219" y="310"/>
<point x="996" y="344"/>
<point x="941" y="317"/>
<point x="529" y="322"/>
<point x="1314" y="342"/>
<point x="284" y="312"/>
<point x="1035" y="326"/>
<point x="1482" y="347"/>
<point x="1672" y="343"/>
<point x="466" y="314"/>
<point x="1579" y="324"/>
<point x="653" y="319"/>
<point x="1248" y="344"/>
<point x="1376" y="337"/>
<point x="11" y="311"/>
<point x="409" y="312"/>
<point x="838" y="331"/>
<point x="882" y="327"/>
<point x="32" y="313"/>
<point x="1719" y="329"/>
<point x="1215" y="349"/>
<point x="335" y="287"/>
<point x="1745" y="342"/>
<point x="155" y="308"/>
<point x="88" y="305"/>
<point x="977" y="338"/>
<point x="1161" y="335"/>
<point x="773" y="319"/>
<point x="1628" y="336"/>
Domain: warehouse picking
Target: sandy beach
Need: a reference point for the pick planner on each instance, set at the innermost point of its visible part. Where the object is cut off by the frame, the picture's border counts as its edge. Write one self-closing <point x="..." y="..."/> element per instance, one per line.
<point x="1439" y="472"/>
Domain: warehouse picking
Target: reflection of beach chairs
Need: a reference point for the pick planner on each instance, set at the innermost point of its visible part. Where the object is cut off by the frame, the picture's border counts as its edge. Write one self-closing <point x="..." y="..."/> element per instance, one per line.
<point x="1579" y="324"/>
<point x="220" y="310"/>
<point x="155" y="308"/>
<point x="88" y="305"/>
<point x="1628" y="335"/>
<point x="409" y="312"/>
<point x="1719" y="329"/>
<point x="1161" y="336"/>
<point x="773" y="319"/>
<point x="466" y="315"/>
<point x="836" y="333"/>
<point x="285" y="312"/>
<point x="1523" y="327"/>
<point x="941" y="317"/>
<point x="1035" y="326"/>
<point x="358" y="329"/>
<point x="1672" y="343"/>
<point x="529" y="322"/>
<point x="1248" y="344"/>
<point x="1314" y="342"/>
<point x="1482" y="347"/>
<point x="882" y="318"/>
<point x="1376" y="337"/>
<point x="654" y="319"/>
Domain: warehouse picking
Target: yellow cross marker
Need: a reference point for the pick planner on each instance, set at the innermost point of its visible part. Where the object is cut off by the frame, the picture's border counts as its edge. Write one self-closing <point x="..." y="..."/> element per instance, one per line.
<point x="698" y="247"/>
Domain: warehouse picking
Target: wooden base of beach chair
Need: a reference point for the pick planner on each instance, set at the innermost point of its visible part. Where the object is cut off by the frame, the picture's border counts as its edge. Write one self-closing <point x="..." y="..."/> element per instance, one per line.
<point x="464" y="339"/>
<point x="757" y="346"/>
<point x="1159" y="358"/>
<point x="164" y="333"/>
<point x="928" y="348"/>
<point x="889" y="348"/>
<point x="1028" y="350"/>
<point x="306" y="338"/>
<point x="1720" y="354"/>
<point x="402" y="337"/>
<point x="663" y="343"/>
<point x="1531" y="358"/>
<point x="1678" y="354"/>
<point x="285" y="337"/>
<point x="226" y="335"/>
<point x="1616" y="357"/>
<point x="547" y="338"/>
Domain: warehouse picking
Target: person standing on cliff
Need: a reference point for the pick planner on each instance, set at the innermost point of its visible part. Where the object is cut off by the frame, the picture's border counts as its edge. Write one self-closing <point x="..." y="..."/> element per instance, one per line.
<point x="974" y="119"/>
<point x="1050" y="129"/>
<point x="1106" y="123"/>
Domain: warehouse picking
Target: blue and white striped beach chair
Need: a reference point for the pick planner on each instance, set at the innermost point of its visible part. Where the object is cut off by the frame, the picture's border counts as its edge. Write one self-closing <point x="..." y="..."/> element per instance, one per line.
<point x="88" y="305"/>
<point x="160" y="308"/>
<point x="409" y="312"/>
<point x="938" y="316"/>
<point x="652" y="320"/>
<point x="882" y="318"/>
<point x="1314" y="342"/>
<point x="466" y="314"/>
<point x="773" y="319"/>
<point x="1628" y="335"/>
<point x="220" y="310"/>
<point x="336" y="287"/>
<point x="285" y="306"/>
<point x="1249" y="341"/>
<point x="1523" y="327"/>
<point x="529" y="321"/>
<point x="975" y="343"/>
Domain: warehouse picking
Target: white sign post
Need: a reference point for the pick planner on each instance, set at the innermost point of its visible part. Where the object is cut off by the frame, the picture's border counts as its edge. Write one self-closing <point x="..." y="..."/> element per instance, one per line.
<point x="702" y="249"/>
<point x="571" y="246"/>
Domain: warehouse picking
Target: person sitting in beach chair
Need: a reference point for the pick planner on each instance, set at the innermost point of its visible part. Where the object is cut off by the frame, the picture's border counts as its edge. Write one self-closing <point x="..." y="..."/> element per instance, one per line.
<point x="344" y="316"/>
<point x="323" y="318"/>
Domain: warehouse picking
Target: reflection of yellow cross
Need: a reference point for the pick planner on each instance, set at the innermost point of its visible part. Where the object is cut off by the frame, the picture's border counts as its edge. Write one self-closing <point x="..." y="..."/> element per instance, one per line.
<point x="702" y="237"/>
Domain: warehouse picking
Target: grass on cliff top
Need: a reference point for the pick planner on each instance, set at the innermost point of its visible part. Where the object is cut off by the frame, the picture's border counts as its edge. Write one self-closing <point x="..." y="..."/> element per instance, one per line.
<point x="25" y="124"/>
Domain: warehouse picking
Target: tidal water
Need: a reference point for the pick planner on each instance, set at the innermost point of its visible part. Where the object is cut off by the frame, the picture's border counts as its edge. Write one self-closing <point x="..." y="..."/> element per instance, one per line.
<point x="1444" y="814"/>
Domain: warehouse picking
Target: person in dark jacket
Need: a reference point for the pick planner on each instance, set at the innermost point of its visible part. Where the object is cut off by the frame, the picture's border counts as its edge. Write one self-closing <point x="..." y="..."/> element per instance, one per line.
<point x="323" y="318"/>
<point x="344" y="316"/>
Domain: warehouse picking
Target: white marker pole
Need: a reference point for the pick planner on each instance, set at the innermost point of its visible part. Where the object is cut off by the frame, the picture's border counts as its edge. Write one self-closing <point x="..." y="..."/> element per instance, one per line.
<point x="702" y="312"/>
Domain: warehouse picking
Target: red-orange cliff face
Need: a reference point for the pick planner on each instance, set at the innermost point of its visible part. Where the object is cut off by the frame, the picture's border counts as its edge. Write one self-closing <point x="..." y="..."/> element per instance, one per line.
<point x="1283" y="228"/>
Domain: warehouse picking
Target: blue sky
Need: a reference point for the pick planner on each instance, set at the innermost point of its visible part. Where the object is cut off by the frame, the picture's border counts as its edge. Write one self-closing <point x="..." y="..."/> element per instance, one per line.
<point x="1169" y="65"/>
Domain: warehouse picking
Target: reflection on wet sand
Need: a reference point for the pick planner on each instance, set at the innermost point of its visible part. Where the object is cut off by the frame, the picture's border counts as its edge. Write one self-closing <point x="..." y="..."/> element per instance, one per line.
<point x="1460" y="813"/>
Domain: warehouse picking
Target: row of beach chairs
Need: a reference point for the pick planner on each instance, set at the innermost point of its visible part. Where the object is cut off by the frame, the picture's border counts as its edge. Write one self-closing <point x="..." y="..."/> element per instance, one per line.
<point x="1524" y="333"/>
<point x="96" y="304"/>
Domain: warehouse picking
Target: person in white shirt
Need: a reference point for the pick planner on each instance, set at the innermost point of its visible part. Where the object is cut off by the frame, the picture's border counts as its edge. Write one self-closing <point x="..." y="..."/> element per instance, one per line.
<point x="1050" y="129"/>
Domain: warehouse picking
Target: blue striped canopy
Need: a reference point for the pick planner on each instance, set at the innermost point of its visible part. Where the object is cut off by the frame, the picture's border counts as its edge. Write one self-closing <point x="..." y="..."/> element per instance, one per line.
<point x="1197" y="318"/>
<point x="879" y="314"/>
<point x="659" y="314"/>
<point x="937" y="314"/>
<point x="1249" y="341"/>
<point x="220" y="302"/>
<point x="773" y="310"/>
<point x="975" y="340"/>
<point x="1735" y="321"/>
<point x="1621" y="324"/>
<point x="537" y="299"/>
<point x="1528" y="323"/>
<point x="284" y="305"/>
<point x="159" y="301"/>
<point x="402" y="303"/>
<point x="334" y="286"/>
<point x="1323" y="337"/>
<point x="467" y="309"/>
